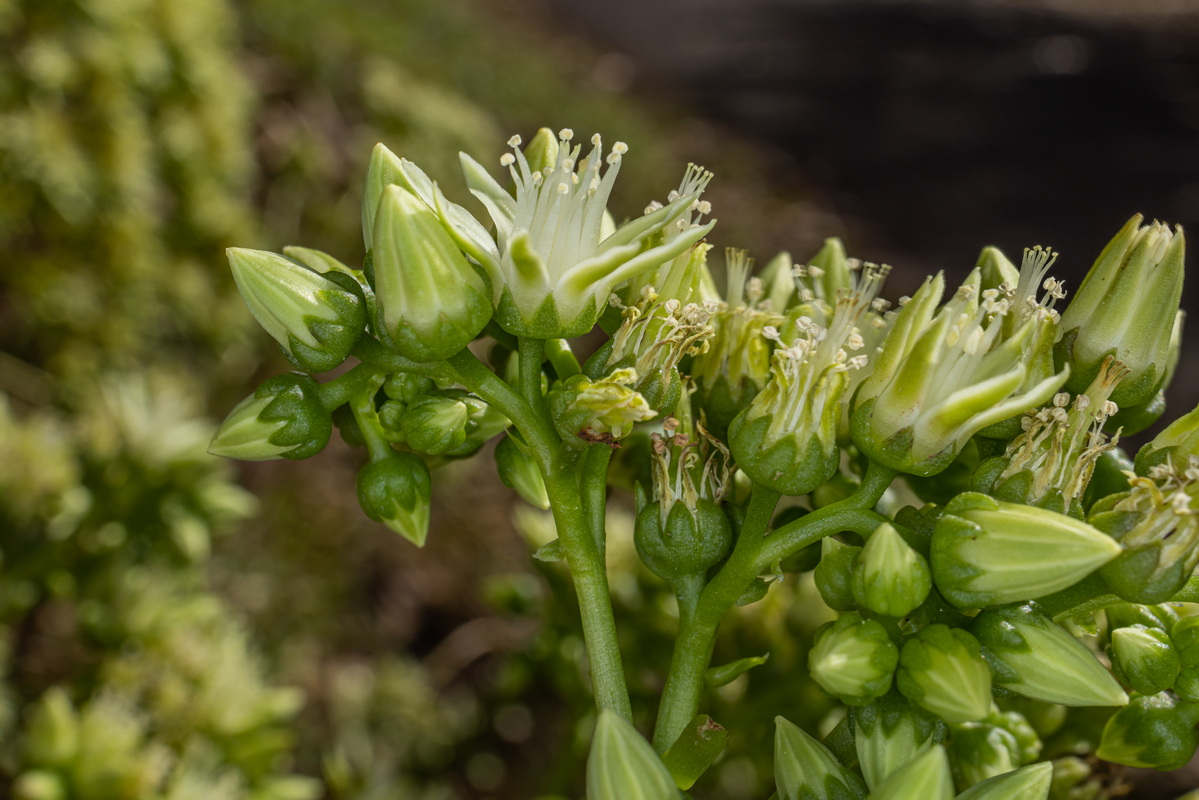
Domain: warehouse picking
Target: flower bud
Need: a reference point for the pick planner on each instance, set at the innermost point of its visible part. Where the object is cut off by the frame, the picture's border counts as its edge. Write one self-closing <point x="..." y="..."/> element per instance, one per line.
<point x="435" y="425"/>
<point x="431" y="302"/>
<point x="986" y="552"/>
<point x="1156" y="731"/>
<point x="804" y="769"/>
<point x="834" y="574"/>
<point x="889" y="577"/>
<point x="688" y="543"/>
<point x="980" y="751"/>
<point x="602" y="411"/>
<point x="1144" y="658"/>
<point x="284" y="418"/>
<point x="1033" y="656"/>
<point x="1027" y="783"/>
<point x="622" y="765"/>
<point x="996" y="270"/>
<point x="52" y="737"/>
<point x="1174" y="445"/>
<point x="1126" y="307"/>
<point x="315" y="320"/>
<point x="519" y="472"/>
<point x="395" y="491"/>
<point x="942" y="670"/>
<point x="925" y="778"/>
<point x="853" y="659"/>
<point x="889" y="733"/>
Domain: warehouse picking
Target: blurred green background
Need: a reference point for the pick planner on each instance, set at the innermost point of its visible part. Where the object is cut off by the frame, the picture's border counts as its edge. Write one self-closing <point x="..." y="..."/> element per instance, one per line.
<point x="177" y="627"/>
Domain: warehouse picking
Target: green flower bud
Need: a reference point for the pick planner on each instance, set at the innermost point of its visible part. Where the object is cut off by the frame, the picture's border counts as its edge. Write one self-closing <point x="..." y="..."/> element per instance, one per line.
<point x="395" y="491"/>
<point x="891" y="732"/>
<point x="980" y="751"/>
<point x="1125" y="615"/>
<point x="1174" y="445"/>
<point x="603" y="411"/>
<point x="542" y="150"/>
<point x="1033" y="656"/>
<point x="519" y="472"/>
<point x="942" y="377"/>
<point x="942" y="670"/>
<point x="52" y="736"/>
<point x="1144" y="658"/>
<point x="1027" y="783"/>
<point x="622" y="765"/>
<point x="436" y="425"/>
<point x="1126" y="307"/>
<point x="284" y="418"/>
<point x="431" y="302"/>
<point x="1156" y="731"/>
<point x="926" y="778"/>
<point x="407" y="388"/>
<point x="995" y="270"/>
<point x="687" y="543"/>
<point x="315" y="320"/>
<point x="834" y="574"/>
<point x="889" y="577"/>
<point x="804" y="769"/>
<point x="40" y="785"/>
<point x="1028" y="743"/>
<point x="986" y="552"/>
<point x="853" y="659"/>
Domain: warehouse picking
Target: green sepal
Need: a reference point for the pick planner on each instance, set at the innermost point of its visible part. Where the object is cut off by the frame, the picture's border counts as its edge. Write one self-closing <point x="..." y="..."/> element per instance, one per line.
<point x="793" y="465"/>
<point x="895" y="451"/>
<point x="1144" y="658"/>
<point x="804" y="769"/>
<point x="550" y="552"/>
<point x="436" y="425"/>
<point x="925" y="778"/>
<point x="284" y="418"/>
<point x="1157" y="731"/>
<point x="891" y="732"/>
<point x="395" y="491"/>
<point x="700" y="743"/>
<point x="721" y="401"/>
<point x="688" y="545"/>
<point x="1033" y="656"/>
<point x="942" y="670"/>
<point x="979" y="750"/>
<point x="1027" y="783"/>
<point x="715" y="677"/>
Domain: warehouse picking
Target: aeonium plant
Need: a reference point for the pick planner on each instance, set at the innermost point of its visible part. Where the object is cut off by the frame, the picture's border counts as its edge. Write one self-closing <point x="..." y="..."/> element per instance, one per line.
<point x="1044" y="572"/>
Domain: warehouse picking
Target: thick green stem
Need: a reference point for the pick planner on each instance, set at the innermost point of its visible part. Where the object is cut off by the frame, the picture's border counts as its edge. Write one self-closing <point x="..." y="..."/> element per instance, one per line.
<point x="697" y="631"/>
<point x="531" y="354"/>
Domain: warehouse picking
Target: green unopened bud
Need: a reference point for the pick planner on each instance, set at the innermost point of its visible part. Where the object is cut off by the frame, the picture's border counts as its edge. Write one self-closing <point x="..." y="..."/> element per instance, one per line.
<point x="52" y="737"/>
<point x="804" y="769"/>
<point x="284" y="418"/>
<point x="1144" y="658"/>
<point x="1033" y="656"/>
<point x="1126" y="307"/>
<point x="853" y="659"/>
<point x="1027" y="783"/>
<point x="889" y="733"/>
<point x="542" y="150"/>
<point x="1156" y="731"/>
<point x="1174" y="445"/>
<point x="602" y="411"/>
<point x="889" y="577"/>
<point x="395" y="491"/>
<point x="315" y="320"/>
<point x="996" y="270"/>
<point x="519" y="472"/>
<point x="942" y="670"/>
<point x="926" y="778"/>
<point x="687" y="544"/>
<point x="40" y="785"/>
<point x="436" y="425"/>
<point x="834" y="574"/>
<point x="431" y="302"/>
<point x="622" y="765"/>
<point x="986" y="552"/>
<point x="827" y="274"/>
<point x="980" y="751"/>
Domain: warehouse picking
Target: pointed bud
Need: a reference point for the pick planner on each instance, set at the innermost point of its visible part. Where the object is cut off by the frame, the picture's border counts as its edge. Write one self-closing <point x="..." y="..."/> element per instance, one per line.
<point x="986" y="552"/>
<point x="980" y="751"/>
<point x="889" y="733"/>
<point x="804" y="769"/>
<point x="1033" y="656"/>
<point x="623" y="766"/>
<point x="602" y="411"/>
<point x="1144" y="658"/>
<point x="942" y="670"/>
<point x="926" y="778"/>
<point x="889" y="577"/>
<point x="853" y="659"/>
<point x="385" y="169"/>
<point x="995" y="269"/>
<point x="396" y="491"/>
<point x="1126" y="306"/>
<point x="1027" y="783"/>
<point x="52" y="736"/>
<point x="435" y="425"/>
<point x="315" y="320"/>
<point x="542" y="150"/>
<point x="284" y="418"/>
<point x="519" y="472"/>
<point x="431" y="302"/>
<point x="1156" y="731"/>
<point x="834" y="574"/>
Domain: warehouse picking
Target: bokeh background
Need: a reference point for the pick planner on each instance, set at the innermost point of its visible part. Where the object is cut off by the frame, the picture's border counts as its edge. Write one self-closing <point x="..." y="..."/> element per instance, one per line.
<point x="172" y="626"/>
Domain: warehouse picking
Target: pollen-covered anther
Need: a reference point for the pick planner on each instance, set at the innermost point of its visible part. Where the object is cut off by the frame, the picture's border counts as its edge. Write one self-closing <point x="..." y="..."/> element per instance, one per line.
<point x="566" y="134"/>
<point x="507" y="160"/>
